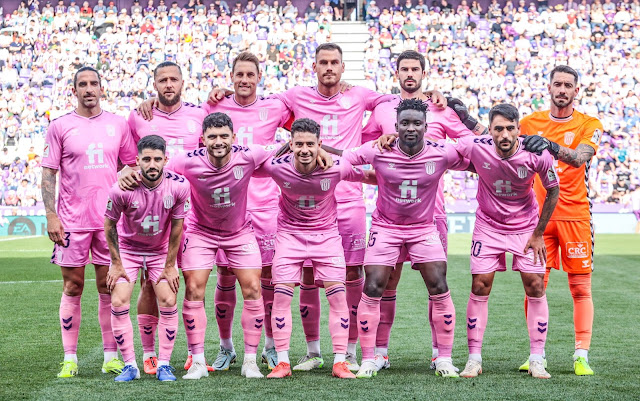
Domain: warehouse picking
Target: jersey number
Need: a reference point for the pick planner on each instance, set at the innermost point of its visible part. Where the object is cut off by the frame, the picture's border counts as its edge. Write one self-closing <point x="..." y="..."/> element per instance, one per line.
<point x="476" y="246"/>
<point x="372" y="239"/>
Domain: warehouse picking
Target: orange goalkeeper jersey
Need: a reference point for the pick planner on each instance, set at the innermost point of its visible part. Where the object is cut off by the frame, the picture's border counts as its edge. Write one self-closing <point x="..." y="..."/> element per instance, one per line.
<point x="574" y="202"/>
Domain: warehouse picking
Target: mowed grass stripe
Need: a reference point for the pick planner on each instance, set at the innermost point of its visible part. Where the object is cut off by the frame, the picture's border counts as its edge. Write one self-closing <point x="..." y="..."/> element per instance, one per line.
<point x="31" y="350"/>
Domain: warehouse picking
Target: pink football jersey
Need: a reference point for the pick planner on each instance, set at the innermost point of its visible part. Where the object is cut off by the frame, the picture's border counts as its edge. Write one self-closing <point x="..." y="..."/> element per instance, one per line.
<point x="86" y="151"/>
<point x="442" y="124"/>
<point x="219" y="196"/>
<point x="181" y="129"/>
<point x="340" y="119"/>
<point x="506" y="201"/>
<point x="256" y="124"/>
<point x="147" y="214"/>
<point x="308" y="202"/>
<point x="407" y="184"/>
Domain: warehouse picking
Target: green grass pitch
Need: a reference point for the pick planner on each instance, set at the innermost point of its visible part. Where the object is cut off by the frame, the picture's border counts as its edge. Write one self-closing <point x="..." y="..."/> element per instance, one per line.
<point x="31" y="350"/>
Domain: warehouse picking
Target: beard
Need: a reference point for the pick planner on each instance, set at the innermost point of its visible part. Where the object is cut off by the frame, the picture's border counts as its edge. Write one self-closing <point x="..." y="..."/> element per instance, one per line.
<point x="145" y="174"/>
<point x="166" y="102"/>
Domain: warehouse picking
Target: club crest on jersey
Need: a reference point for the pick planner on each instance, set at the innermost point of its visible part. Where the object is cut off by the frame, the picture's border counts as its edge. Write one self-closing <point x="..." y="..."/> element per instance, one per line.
<point x="187" y="205"/>
<point x="191" y="126"/>
<point x="430" y="167"/>
<point x="325" y="184"/>
<point x="238" y="172"/>
<point x="168" y="201"/>
<point x="551" y="174"/>
<point x="45" y="152"/>
<point x="263" y="114"/>
<point x="522" y="172"/>
<point x="568" y="138"/>
<point x="111" y="130"/>
<point x="595" y="138"/>
<point x="345" y="102"/>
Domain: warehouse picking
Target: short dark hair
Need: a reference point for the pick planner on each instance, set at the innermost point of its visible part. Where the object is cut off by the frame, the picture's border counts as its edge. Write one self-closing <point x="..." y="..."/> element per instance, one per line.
<point x="217" y="120"/>
<point x="567" y="70"/>
<point x="83" y="69"/>
<point x="410" y="55"/>
<point x="305" y="125"/>
<point x="166" y="64"/>
<point x="153" y="142"/>
<point x="329" y="47"/>
<point x="246" y="56"/>
<point x="412" y="104"/>
<point x="508" y="111"/>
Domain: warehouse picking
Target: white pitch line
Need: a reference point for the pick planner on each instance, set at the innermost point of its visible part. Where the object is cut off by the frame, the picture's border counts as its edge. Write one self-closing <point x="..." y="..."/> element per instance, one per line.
<point x="39" y="281"/>
<point x="17" y="238"/>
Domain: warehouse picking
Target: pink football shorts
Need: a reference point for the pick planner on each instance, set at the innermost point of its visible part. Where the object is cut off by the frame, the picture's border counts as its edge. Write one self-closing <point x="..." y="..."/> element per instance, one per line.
<point x="199" y="249"/>
<point x="264" y="223"/>
<point x="75" y="251"/>
<point x="488" y="252"/>
<point x="151" y="265"/>
<point x="324" y="250"/>
<point x="443" y="230"/>
<point x="386" y="244"/>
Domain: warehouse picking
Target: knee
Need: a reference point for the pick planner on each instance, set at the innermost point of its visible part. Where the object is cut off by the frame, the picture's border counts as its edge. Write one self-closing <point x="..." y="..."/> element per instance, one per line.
<point x="374" y="288"/>
<point x="580" y="285"/>
<point x="536" y="289"/>
<point x="354" y="273"/>
<point x="480" y="288"/>
<point x="194" y="292"/>
<point x="119" y="301"/>
<point x="73" y="287"/>
<point x="167" y="300"/>
<point x="251" y="291"/>
<point x="437" y="286"/>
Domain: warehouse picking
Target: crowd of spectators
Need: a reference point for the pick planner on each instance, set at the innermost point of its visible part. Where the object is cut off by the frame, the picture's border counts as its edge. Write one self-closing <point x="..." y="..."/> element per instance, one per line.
<point x="481" y="56"/>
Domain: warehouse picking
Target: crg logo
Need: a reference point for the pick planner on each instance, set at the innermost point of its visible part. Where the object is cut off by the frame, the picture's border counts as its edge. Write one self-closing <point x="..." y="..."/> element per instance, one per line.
<point x="577" y="250"/>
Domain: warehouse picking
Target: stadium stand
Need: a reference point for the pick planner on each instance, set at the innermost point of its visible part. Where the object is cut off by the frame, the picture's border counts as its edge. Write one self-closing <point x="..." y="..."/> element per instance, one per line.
<point x="482" y="55"/>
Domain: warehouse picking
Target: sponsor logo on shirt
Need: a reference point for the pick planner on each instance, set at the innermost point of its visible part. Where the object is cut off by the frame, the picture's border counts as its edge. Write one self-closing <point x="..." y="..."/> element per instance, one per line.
<point x="109" y="204"/>
<point x="409" y="192"/>
<point x="551" y="174"/>
<point x="286" y="184"/>
<point x="238" y="172"/>
<point x="430" y="167"/>
<point x="222" y="198"/>
<point x="45" y="152"/>
<point x="595" y="138"/>
<point x="168" y="201"/>
<point x="522" y="172"/>
<point x="151" y="224"/>
<point x="577" y="250"/>
<point x="568" y="138"/>
<point x="187" y="205"/>
<point x="325" y="184"/>
<point x="135" y="205"/>
<point x="486" y="166"/>
<point x="392" y="166"/>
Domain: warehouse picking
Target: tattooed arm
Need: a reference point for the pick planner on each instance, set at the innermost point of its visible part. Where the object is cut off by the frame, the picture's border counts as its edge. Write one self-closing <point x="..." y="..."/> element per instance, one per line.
<point x="54" y="226"/>
<point x="576" y="157"/>
<point x="536" y="242"/>
<point x="116" y="270"/>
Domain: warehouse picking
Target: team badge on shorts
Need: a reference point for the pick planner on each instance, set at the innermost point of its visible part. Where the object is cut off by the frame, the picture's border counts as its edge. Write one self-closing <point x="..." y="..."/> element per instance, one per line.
<point x="430" y="167"/>
<point x="325" y="184"/>
<point x="168" y="201"/>
<point x="522" y="172"/>
<point x="238" y="172"/>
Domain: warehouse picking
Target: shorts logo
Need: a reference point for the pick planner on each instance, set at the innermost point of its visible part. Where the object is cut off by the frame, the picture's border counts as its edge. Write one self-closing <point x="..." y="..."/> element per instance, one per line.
<point x="109" y="204"/>
<point x="433" y="239"/>
<point x="238" y="173"/>
<point x="45" y="152"/>
<point x="187" y="205"/>
<point x="111" y="130"/>
<point x="577" y="250"/>
<point x="325" y="184"/>
<point x="551" y="174"/>
<point x="168" y="201"/>
<point x="522" y="172"/>
<point x="338" y="261"/>
<point x="264" y="114"/>
<point x="595" y="138"/>
<point x="191" y="126"/>
<point x="430" y="167"/>
<point x="250" y="248"/>
<point x="568" y="138"/>
<point x="345" y="102"/>
<point x="586" y="264"/>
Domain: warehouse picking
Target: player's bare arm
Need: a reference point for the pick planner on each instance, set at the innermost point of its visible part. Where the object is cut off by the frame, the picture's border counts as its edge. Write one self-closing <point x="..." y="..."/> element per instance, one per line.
<point x="170" y="273"/>
<point x="54" y="226"/>
<point x="536" y="242"/>
<point x="129" y="178"/>
<point x="324" y="160"/>
<point x="116" y="270"/>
